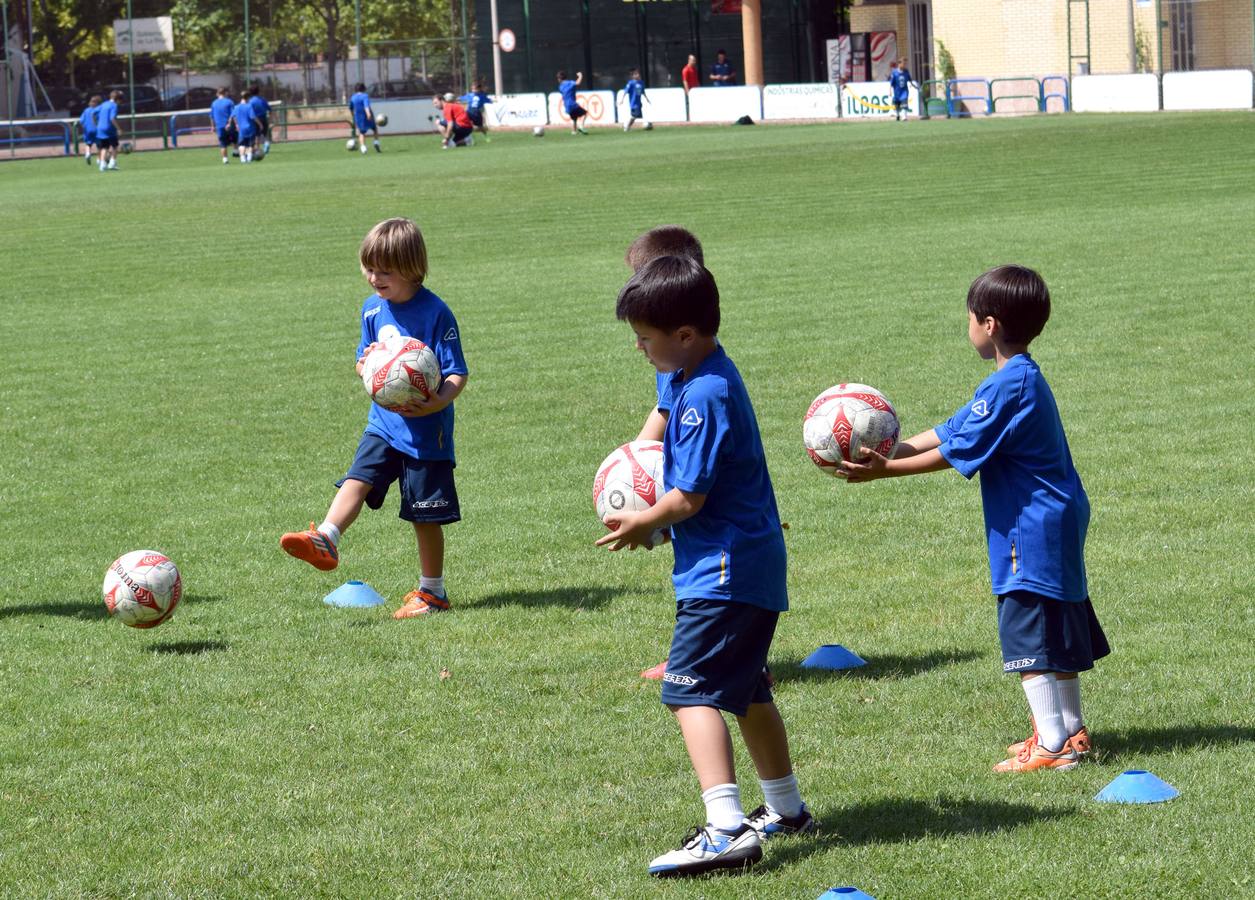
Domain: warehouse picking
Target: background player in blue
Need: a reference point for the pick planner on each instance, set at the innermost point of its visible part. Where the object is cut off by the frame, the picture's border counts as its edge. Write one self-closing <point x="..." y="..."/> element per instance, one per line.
<point x="220" y="112"/>
<point x="567" y="88"/>
<point x="900" y="81"/>
<point x="246" y="126"/>
<point x="633" y="91"/>
<point x="475" y="101"/>
<point x="262" y="110"/>
<point x="363" y="117"/>
<point x="87" y="121"/>
<point x="1036" y="514"/>
<point x="107" y="131"/>
<point x="413" y="444"/>
<point x="721" y="73"/>
<point x="665" y="240"/>
<point x="729" y="571"/>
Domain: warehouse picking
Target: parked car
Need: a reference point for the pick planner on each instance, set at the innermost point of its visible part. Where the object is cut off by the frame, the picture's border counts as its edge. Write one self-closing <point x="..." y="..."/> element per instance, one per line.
<point x="194" y="98"/>
<point x="400" y="88"/>
<point x="147" y="98"/>
<point x="66" y="100"/>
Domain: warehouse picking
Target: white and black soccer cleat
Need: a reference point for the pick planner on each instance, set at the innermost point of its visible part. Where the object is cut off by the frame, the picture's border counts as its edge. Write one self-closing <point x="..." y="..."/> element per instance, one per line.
<point x="769" y="824"/>
<point x="708" y="849"/>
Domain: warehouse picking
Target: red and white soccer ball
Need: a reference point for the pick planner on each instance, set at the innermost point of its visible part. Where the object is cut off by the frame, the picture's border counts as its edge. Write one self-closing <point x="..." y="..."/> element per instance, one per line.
<point x="843" y="420"/>
<point x="400" y="370"/>
<point x="630" y="479"/>
<point x="142" y="588"/>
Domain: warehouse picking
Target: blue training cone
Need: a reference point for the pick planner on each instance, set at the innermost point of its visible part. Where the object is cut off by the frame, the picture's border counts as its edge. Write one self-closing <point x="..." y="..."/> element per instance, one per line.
<point x="833" y="656"/>
<point x="845" y="893"/>
<point x="1137" y="786"/>
<point x="353" y="594"/>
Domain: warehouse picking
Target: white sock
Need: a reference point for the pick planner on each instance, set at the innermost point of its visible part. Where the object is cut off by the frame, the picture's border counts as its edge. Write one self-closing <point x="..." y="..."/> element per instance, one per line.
<point x="723" y="807"/>
<point x="435" y="585"/>
<point x="331" y="531"/>
<point x="1043" y="700"/>
<point x="782" y="795"/>
<point x="1070" y="704"/>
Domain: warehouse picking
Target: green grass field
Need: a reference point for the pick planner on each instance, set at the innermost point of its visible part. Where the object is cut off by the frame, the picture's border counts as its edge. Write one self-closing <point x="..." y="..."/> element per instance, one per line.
<point x="177" y="371"/>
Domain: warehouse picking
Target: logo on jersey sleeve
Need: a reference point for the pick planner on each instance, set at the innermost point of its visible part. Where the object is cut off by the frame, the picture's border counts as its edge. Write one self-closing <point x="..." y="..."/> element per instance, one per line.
<point x="450" y="335"/>
<point x="980" y="408"/>
<point x="374" y="310"/>
<point x="691" y="417"/>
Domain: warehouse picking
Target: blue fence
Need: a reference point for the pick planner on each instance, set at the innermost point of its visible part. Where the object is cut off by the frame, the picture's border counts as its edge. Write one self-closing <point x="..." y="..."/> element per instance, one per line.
<point x="63" y="137"/>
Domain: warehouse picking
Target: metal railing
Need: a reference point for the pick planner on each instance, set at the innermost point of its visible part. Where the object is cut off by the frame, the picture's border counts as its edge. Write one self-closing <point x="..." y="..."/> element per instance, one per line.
<point x="9" y="139"/>
<point x="1036" y="96"/>
<point x="952" y="98"/>
<point x="1047" y="95"/>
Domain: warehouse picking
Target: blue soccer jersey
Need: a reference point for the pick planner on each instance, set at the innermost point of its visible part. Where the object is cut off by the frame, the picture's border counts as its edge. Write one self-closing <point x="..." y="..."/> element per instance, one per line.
<point x="1036" y="510"/>
<point x="261" y="108"/>
<point x="900" y="81"/>
<point x="475" y="101"/>
<point x="360" y="103"/>
<point x="634" y="90"/>
<point x="733" y="549"/>
<point x="88" y="121"/>
<point x="107" y="119"/>
<point x="662" y="382"/>
<point x="245" y="120"/>
<point x="722" y="68"/>
<point x="220" y="112"/>
<point x="429" y="319"/>
<point x="567" y="90"/>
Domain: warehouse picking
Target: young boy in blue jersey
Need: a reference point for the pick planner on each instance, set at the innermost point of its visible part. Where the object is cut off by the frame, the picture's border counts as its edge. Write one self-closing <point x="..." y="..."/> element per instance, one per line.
<point x="87" y="121"/>
<point x="665" y="240"/>
<point x="729" y="571"/>
<point x="261" y="109"/>
<point x="245" y="126"/>
<point x="1036" y="514"/>
<point x="570" y="103"/>
<point x="633" y="91"/>
<point x="475" y="102"/>
<point x="220" y="113"/>
<point x="412" y="444"/>
<point x="363" y="117"/>
<point x="107" y="131"/>
<point x="900" y="83"/>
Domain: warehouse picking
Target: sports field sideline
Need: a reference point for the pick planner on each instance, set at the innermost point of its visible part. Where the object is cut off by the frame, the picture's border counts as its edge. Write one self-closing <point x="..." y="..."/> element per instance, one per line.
<point x="177" y="370"/>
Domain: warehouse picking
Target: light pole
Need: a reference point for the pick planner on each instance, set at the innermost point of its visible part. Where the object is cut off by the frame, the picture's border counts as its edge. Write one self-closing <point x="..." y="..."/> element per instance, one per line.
<point x="357" y="19"/>
<point x="8" y="98"/>
<point x="130" y="64"/>
<point x="248" y="49"/>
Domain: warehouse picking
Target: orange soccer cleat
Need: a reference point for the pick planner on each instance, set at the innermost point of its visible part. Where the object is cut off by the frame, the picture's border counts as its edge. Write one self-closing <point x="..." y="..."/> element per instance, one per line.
<point x="312" y="546"/>
<point x="1079" y="742"/>
<point x="1033" y="756"/>
<point x="421" y="603"/>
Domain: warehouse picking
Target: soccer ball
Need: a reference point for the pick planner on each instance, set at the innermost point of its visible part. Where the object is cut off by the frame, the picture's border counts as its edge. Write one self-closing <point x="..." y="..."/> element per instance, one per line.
<point x="142" y="588"/>
<point x="629" y="478"/>
<point x="350" y="144"/>
<point x="401" y="370"/>
<point x="381" y="120"/>
<point x="649" y="126"/>
<point x="843" y="420"/>
<point x="538" y="131"/>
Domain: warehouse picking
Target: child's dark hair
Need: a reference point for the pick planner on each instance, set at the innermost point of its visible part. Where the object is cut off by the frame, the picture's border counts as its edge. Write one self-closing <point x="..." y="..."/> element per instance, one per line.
<point x="359" y="87"/>
<point x="665" y="240"/>
<point x="1014" y="295"/>
<point x="562" y="74"/>
<point x="670" y="292"/>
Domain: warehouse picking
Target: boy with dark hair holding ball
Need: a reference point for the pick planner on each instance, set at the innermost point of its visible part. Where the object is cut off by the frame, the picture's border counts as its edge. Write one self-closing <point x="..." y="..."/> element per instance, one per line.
<point x="1036" y="514"/>
<point x="729" y="571"/>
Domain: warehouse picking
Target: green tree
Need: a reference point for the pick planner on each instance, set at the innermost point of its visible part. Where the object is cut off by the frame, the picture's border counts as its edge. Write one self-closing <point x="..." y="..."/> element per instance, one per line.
<point x="64" y="26"/>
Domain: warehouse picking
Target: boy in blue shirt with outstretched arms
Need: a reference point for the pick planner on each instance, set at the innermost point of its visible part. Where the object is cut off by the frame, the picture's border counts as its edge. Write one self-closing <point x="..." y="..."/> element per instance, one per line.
<point x="88" y="123"/>
<point x="1036" y="514"/>
<point x="220" y="113"/>
<point x="729" y="571"/>
<point x="570" y="101"/>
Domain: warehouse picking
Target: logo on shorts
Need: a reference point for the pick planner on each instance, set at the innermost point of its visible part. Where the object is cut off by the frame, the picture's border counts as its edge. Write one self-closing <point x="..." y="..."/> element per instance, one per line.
<point x="1014" y="664"/>
<point x="371" y="312"/>
<point x="429" y="504"/>
<point x="691" y="417"/>
<point x="450" y="335"/>
<point x="980" y="408"/>
<point x="686" y="680"/>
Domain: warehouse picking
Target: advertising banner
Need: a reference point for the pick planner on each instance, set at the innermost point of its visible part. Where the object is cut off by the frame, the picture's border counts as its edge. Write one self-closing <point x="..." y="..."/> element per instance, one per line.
<point x="404" y="116"/>
<point x="150" y="35"/>
<point x="600" y="106"/>
<point x="658" y="105"/>
<point x="725" y="104"/>
<point x="1223" y="89"/>
<point x="800" y="101"/>
<point x="1115" y="93"/>
<point x="884" y="50"/>
<point x="839" y="59"/>
<point x="874" y="100"/>
<point x="518" y="111"/>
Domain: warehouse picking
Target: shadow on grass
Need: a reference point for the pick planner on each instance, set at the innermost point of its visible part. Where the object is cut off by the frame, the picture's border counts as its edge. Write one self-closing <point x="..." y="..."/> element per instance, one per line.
<point x="575" y="598"/>
<point x="1164" y="740"/>
<point x="188" y="648"/>
<point x="898" y="820"/>
<point x="891" y="666"/>
<point x="82" y="609"/>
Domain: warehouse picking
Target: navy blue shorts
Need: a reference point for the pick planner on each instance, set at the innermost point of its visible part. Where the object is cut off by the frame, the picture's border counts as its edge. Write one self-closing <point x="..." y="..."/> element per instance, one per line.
<point x="263" y="125"/>
<point x="636" y="112"/>
<point x="246" y="141"/>
<point x="428" y="494"/>
<point x="104" y="142"/>
<point x="476" y="117"/>
<point x="1039" y="634"/>
<point x="89" y="138"/>
<point x="576" y="112"/>
<point x="225" y="137"/>
<point x="719" y="655"/>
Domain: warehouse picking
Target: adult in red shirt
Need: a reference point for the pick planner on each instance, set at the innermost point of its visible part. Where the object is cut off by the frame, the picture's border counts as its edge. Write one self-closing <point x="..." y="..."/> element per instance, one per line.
<point x="689" y="74"/>
<point x="455" y="125"/>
